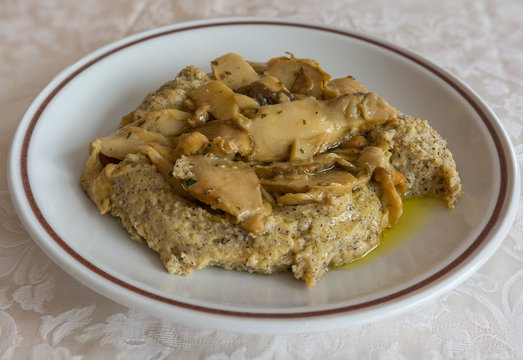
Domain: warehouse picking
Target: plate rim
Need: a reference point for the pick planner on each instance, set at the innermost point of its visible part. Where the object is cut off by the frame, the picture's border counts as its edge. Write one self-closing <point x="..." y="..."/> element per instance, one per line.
<point x="495" y="229"/>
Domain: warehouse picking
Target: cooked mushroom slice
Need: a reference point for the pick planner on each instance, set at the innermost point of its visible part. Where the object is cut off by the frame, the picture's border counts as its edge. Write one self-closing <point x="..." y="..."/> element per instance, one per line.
<point x="130" y="141"/>
<point x="302" y="76"/>
<point x="372" y="157"/>
<point x="168" y="122"/>
<point x="313" y="195"/>
<point x="139" y="141"/>
<point x="292" y="121"/>
<point x="357" y="141"/>
<point x="245" y="102"/>
<point x="351" y="154"/>
<point x="223" y="184"/>
<point x="344" y="163"/>
<point x="190" y="144"/>
<point x="300" y="183"/>
<point x="235" y="140"/>
<point x="219" y="96"/>
<point x="342" y="86"/>
<point x="258" y="66"/>
<point x="323" y="193"/>
<point x="302" y="188"/>
<point x="273" y="84"/>
<point x="390" y="196"/>
<point x="304" y="119"/>
<point x="374" y="108"/>
<point x="200" y="116"/>
<point x="233" y="71"/>
<point x="320" y="163"/>
<point x="268" y="90"/>
<point x="303" y="84"/>
<point x="365" y="111"/>
<point x="267" y="196"/>
<point x="305" y="149"/>
<point x="94" y="169"/>
<point x="127" y="119"/>
<point x="130" y="138"/>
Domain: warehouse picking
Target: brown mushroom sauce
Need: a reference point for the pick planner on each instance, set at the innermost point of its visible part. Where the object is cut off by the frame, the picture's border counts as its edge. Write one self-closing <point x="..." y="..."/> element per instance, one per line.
<point x="265" y="167"/>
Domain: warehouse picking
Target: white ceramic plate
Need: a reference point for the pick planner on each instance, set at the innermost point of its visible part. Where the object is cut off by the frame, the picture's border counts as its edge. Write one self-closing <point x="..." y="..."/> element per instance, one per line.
<point x="87" y="100"/>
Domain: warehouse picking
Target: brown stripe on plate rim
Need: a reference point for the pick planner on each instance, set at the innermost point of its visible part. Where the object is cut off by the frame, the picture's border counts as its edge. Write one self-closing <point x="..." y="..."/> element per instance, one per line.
<point x="343" y="309"/>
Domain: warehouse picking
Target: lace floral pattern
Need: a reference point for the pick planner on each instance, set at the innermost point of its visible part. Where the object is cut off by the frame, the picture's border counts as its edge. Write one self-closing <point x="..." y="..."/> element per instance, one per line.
<point x="45" y="314"/>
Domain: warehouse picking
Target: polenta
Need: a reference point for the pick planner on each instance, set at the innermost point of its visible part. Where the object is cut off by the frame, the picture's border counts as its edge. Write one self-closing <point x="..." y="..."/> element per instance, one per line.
<point x="265" y="167"/>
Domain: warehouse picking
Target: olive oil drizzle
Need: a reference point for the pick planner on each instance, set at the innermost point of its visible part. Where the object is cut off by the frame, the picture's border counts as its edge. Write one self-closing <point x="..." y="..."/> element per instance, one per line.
<point x="416" y="213"/>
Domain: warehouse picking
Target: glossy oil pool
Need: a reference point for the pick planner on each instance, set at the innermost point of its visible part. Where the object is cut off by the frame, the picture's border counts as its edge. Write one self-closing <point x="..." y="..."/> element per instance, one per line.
<point x="416" y="213"/>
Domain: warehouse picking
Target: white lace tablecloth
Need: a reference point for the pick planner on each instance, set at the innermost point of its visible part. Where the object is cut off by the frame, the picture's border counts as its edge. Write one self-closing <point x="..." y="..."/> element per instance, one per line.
<point x="45" y="313"/>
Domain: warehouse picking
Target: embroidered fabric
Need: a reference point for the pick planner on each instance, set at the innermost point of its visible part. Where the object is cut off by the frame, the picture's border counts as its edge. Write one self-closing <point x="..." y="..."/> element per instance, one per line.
<point x="45" y="313"/>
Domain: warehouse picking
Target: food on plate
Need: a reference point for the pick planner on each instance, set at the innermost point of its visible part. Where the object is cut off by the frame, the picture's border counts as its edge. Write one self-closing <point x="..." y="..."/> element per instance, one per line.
<point x="265" y="167"/>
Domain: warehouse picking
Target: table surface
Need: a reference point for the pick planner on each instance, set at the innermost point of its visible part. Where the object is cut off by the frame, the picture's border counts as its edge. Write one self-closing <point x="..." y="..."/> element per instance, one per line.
<point x="45" y="313"/>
